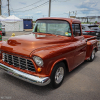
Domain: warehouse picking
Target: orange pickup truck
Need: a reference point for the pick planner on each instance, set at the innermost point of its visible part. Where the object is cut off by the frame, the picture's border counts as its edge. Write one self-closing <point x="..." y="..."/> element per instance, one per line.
<point x="43" y="57"/>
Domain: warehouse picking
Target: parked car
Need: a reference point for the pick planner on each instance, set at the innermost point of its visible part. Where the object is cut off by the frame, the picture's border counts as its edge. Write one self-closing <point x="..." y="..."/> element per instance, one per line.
<point x="3" y="30"/>
<point x="55" y="47"/>
<point x="92" y="29"/>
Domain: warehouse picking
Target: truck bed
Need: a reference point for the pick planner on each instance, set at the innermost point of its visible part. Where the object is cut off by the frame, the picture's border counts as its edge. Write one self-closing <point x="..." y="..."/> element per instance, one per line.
<point x="89" y="37"/>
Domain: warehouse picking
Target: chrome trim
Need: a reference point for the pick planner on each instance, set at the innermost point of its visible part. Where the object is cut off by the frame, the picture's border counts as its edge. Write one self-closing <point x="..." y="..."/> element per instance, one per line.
<point x="41" y="81"/>
<point x="18" y="60"/>
<point x="12" y="59"/>
<point x="7" y="57"/>
<point x="26" y="64"/>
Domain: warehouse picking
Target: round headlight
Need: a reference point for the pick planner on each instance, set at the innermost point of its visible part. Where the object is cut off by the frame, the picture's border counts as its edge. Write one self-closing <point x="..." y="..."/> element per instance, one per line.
<point x="38" y="61"/>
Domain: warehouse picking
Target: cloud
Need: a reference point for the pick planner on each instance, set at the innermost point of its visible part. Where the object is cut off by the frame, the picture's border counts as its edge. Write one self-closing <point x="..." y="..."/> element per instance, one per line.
<point x="87" y="1"/>
<point x="28" y="15"/>
<point x="88" y="4"/>
<point x="23" y="3"/>
<point x="38" y="12"/>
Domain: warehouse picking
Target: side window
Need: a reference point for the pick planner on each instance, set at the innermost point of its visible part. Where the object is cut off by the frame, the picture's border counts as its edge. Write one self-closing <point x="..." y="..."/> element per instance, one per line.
<point x="41" y="27"/>
<point x="76" y="29"/>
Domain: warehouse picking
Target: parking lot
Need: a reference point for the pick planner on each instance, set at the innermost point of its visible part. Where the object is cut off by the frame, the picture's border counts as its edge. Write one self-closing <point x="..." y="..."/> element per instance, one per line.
<point x="83" y="83"/>
<point x="9" y="34"/>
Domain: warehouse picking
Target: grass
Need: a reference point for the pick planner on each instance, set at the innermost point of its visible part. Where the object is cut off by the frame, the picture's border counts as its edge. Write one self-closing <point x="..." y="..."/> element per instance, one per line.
<point x="86" y="23"/>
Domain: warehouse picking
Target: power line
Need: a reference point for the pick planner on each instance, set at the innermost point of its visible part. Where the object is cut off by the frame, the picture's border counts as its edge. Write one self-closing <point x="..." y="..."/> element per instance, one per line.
<point x="11" y="8"/>
<point x="34" y="7"/>
<point x="61" y="0"/>
<point x="6" y="13"/>
<point x="28" y="5"/>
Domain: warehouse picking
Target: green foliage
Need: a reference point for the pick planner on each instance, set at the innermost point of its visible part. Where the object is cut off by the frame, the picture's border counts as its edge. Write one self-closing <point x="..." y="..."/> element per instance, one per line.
<point x="95" y="21"/>
<point x="86" y="23"/>
<point x="34" y="21"/>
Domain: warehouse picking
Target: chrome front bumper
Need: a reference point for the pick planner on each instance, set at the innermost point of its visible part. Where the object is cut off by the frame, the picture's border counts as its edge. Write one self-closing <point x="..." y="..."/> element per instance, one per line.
<point x="41" y="81"/>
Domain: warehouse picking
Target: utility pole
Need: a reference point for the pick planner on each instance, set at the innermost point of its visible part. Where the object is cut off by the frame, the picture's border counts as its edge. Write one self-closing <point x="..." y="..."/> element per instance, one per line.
<point x="87" y="19"/>
<point x="0" y="7"/>
<point x="8" y="8"/>
<point x="49" y="8"/>
<point x="69" y="14"/>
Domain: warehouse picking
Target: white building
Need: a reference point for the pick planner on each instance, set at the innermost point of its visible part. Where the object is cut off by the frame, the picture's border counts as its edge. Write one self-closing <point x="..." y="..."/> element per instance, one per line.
<point x="13" y="23"/>
<point x="91" y="19"/>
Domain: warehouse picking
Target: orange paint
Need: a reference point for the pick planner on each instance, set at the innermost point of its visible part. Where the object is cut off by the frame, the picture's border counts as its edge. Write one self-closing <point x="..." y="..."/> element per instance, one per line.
<point x="51" y="48"/>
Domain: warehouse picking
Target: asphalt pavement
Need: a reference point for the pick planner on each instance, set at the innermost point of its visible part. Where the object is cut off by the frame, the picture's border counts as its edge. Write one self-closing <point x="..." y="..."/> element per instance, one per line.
<point x="83" y="83"/>
<point x="9" y="34"/>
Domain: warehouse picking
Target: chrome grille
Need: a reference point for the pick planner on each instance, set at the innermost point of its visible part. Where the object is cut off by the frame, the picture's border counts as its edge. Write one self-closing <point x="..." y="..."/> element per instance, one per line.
<point x="15" y="61"/>
<point x="22" y="63"/>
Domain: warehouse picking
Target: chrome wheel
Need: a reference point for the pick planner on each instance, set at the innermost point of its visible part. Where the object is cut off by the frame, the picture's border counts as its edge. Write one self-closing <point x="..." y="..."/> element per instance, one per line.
<point x="59" y="75"/>
<point x="93" y="54"/>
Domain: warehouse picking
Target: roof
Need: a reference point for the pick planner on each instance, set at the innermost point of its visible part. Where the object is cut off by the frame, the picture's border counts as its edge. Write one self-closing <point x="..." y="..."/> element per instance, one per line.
<point x="13" y="18"/>
<point x="1" y="18"/>
<point x="70" y="20"/>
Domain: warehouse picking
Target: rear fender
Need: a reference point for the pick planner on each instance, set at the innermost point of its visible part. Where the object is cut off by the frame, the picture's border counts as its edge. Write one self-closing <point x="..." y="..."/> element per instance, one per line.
<point x="91" y="44"/>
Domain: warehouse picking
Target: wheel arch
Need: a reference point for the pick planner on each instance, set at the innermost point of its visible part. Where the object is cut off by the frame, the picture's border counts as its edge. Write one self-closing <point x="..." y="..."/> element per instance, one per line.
<point x="59" y="61"/>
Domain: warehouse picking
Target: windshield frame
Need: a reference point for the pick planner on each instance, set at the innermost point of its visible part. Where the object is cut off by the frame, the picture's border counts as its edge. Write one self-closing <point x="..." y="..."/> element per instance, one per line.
<point x="51" y="21"/>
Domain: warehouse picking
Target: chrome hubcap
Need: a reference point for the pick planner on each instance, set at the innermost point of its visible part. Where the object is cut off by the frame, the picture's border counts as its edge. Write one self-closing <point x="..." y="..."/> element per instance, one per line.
<point x="59" y="75"/>
<point x="93" y="54"/>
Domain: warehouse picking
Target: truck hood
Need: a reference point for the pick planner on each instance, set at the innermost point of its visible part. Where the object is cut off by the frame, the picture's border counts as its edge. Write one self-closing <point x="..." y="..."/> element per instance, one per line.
<point x="25" y="44"/>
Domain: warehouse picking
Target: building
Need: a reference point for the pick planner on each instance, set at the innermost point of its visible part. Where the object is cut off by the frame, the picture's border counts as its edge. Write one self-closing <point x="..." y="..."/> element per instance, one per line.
<point x="91" y="19"/>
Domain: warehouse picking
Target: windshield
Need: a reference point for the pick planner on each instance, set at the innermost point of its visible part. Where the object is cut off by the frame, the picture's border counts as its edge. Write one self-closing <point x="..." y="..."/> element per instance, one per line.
<point x="56" y="27"/>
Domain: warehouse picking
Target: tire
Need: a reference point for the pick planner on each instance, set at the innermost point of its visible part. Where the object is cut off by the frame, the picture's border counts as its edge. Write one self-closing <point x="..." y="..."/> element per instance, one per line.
<point x="3" y="34"/>
<point x="92" y="55"/>
<point x="57" y="75"/>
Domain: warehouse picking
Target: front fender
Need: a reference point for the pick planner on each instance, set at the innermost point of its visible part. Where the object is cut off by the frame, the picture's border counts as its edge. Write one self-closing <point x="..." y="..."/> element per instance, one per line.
<point x="54" y="54"/>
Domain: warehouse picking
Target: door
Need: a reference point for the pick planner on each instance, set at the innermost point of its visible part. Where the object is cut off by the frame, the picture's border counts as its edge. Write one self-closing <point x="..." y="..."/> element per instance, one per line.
<point x="80" y="45"/>
<point x="27" y="24"/>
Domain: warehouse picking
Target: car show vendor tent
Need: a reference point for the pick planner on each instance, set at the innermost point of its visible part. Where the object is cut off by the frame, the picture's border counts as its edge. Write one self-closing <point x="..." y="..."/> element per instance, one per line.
<point x="1" y="18"/>
<point x="13" y="23"/>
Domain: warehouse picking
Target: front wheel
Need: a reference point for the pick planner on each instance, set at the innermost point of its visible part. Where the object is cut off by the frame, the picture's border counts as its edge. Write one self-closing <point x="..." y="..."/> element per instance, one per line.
<point x="57" y="75"/>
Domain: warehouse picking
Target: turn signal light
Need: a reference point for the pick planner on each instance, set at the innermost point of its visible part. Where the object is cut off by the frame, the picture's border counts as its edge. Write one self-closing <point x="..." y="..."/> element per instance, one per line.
<point x="39" y="69"/>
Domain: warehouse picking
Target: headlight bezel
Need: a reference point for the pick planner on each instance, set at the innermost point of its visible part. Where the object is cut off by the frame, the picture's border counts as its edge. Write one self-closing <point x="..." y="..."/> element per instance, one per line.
<point x="39" y="62"/>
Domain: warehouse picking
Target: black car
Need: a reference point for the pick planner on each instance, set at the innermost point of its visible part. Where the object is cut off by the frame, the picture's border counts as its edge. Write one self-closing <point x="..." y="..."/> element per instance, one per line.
<point x="92" y="29"/>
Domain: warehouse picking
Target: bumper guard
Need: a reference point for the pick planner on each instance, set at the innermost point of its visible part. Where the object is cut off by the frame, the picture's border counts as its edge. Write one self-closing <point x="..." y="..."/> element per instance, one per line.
<point x="41" y="81"/>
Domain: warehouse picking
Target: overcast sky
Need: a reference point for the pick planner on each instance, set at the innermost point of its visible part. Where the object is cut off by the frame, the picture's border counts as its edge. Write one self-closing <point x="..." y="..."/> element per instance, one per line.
<point x="59" y="8"/>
